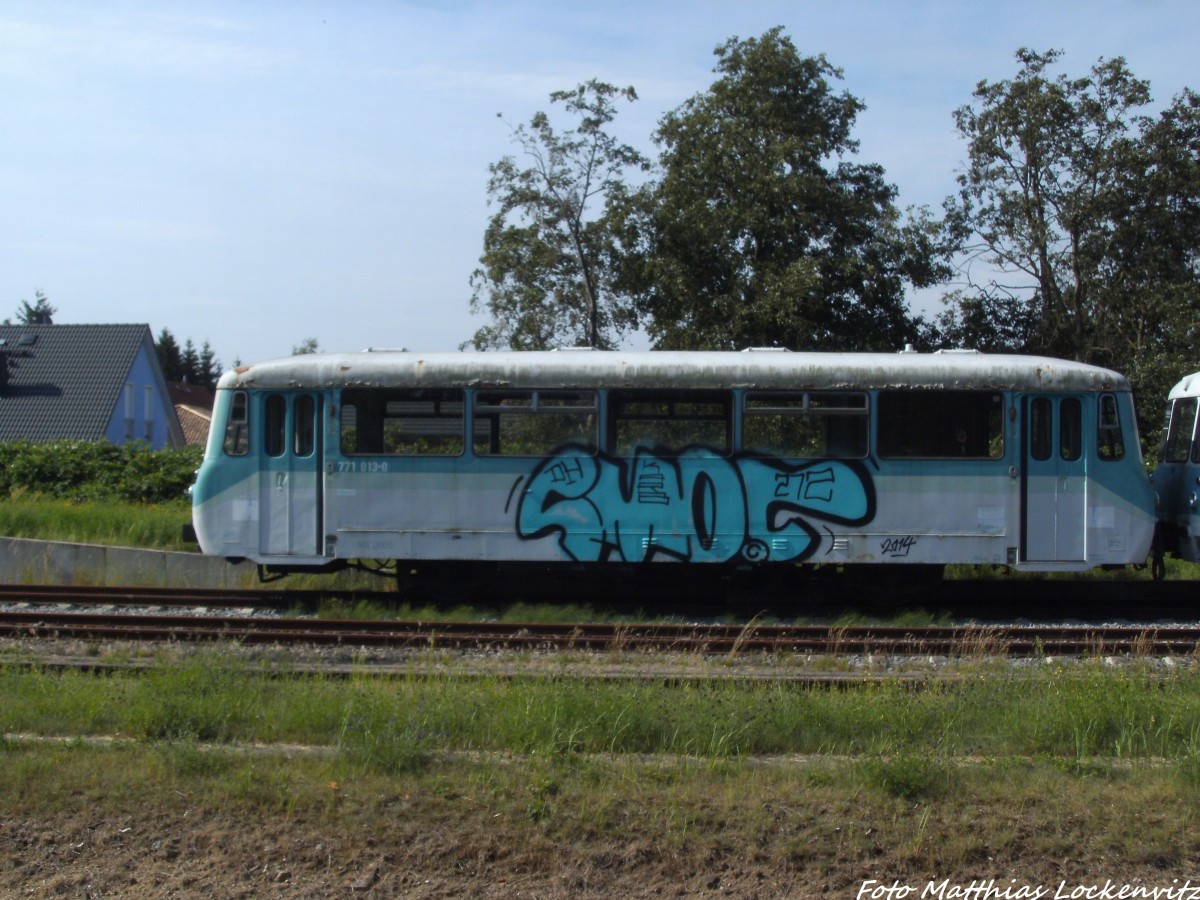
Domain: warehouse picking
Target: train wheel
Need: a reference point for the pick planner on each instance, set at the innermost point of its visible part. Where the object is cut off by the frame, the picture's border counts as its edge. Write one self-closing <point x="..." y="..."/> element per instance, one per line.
<point x="1158" y="567"/>
<point x="1158" y="561"/>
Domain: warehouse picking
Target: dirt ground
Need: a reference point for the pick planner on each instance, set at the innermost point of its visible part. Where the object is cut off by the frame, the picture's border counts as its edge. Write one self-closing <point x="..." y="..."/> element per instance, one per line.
<point x="176" y="855"/>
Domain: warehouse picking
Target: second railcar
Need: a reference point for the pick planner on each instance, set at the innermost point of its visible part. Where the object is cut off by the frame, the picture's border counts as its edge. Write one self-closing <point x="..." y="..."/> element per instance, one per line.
<point x="751" y="458"/>
<point x="1177" y="476"/>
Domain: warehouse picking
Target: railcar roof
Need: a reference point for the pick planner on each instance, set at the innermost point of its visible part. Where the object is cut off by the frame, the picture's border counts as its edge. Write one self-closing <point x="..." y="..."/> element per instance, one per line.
<point x="1189" y="386"/>
<point x="682" y="369"/>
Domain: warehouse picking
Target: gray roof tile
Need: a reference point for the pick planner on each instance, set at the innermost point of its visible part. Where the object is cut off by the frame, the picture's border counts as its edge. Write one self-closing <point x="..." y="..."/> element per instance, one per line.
<point x="64" y="381"/>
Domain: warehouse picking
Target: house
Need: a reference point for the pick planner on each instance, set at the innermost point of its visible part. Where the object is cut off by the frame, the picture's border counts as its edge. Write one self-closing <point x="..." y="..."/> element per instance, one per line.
<point x="193" y="405"/>
<point x="84" y="382"/>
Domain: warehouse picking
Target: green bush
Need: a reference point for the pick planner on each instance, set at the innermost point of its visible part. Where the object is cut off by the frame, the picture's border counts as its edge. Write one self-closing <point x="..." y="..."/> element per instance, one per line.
<point x="87" y="471"/>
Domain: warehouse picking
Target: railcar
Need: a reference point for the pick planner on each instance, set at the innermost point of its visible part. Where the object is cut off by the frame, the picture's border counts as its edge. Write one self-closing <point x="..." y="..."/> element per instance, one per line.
<point x="1176" y="477"/>
<point x="745" y="459"/>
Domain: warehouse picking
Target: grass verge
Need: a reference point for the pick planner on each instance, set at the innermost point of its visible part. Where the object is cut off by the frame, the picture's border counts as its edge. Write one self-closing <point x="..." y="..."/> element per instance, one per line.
<point x="761" y="789"/>
<point x="116" y="523"/>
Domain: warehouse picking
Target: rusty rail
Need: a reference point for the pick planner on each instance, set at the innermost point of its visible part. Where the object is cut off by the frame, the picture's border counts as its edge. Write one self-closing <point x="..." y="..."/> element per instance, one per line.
<point x="964" y="640"/>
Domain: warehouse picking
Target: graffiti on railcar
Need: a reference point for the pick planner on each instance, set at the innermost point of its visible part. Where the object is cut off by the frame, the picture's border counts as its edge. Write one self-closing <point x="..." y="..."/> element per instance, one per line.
<point x="692" y="505"/>
<point x="897" y="547"/>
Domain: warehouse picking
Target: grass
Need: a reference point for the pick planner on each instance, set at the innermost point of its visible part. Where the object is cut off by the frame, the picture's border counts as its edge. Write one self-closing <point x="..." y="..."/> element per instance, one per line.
<point x="1009" y="773"/>
<point x="1131" y="715"/>
<point x="150" y="526"/>
<point x="1032" y="814"/>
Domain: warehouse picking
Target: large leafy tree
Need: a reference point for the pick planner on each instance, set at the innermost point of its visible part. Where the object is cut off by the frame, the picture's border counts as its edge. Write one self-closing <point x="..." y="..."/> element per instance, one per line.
<point x="1082" y="212"/>
<point x="1149" y="320"/>
<point x="1083" y="215"/>
<point x="761" y="229"/>
<point x="545" y="272"/>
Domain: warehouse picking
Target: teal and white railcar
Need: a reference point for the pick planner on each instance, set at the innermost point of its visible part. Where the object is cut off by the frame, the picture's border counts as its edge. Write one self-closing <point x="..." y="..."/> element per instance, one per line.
<point x="742" y="458"/>
<point x="1177" y="475"/>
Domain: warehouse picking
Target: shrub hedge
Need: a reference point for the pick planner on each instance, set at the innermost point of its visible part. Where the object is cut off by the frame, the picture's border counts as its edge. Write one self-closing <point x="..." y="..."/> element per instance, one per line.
<point x="87" y="471"/>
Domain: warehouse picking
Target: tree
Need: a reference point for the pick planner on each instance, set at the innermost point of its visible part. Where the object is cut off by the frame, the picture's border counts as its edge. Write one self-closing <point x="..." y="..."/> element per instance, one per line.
<point x="306" y="347"/>
<point x="170" y="359"/>
<point x="40" y="312"/>
<point x="200" y="368"/>
<point x="1078" y="204"/>
<point x="191" y="363"/>
<point x="761" y="231"/>
<point x="545" y="273"/>
<point x="209" y="368"/>
<point x="1087" y="215"/>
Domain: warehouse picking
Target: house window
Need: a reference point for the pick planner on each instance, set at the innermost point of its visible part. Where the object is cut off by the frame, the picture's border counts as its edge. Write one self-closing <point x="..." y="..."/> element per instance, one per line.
<point x="130" y="412"/>
<point x="148" y="416"/>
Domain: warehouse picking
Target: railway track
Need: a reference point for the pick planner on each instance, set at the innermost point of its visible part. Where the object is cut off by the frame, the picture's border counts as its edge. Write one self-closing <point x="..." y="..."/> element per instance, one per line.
<point x="731" y="640"/>
<point x="137" y="614"/>
<point x="207" y="598"/>
<point x="1089" y="600"/>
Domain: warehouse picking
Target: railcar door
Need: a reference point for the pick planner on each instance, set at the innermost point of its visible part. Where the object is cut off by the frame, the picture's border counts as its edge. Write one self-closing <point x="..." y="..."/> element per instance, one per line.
<point x="1053" y="482"/>
<point x="290" y="498"/>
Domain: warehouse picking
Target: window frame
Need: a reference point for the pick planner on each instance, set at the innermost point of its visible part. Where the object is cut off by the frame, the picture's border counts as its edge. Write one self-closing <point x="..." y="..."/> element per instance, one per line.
<point x="1172" y="435"/>
<point x="237" y="425"/>
<point x="991" y="430"/>
<point x="304" y="425"/>
<point x="672" y="398"/>
<point x="370" y="406"/>
<point x="1070" y="429"/>
<point x="808" y="411"/>
<point x="274" y="418"/>
<point x="492" y="408"/>
<point x="1110" y="435"/>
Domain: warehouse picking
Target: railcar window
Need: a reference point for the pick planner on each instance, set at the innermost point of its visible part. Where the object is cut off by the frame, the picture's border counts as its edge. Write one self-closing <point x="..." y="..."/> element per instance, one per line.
<point x="1109" y="442"/>
<point x="670" y="420"/>
<point x="304" y="428"/>
<point x="418" y="422"/>
<point x="1179" y="434"/>
<point x="920" y="424"/>
<point x="1041" y="428"/>
<point x="1070" y="427"/>
<point x="237" y="430"/>
<point x="276" y="414"/>
<point x="533" y="423"/>
<point x="828" y="425"/>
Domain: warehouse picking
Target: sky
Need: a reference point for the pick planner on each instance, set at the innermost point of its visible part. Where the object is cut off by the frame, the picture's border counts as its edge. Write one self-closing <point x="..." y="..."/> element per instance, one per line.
<point x="257" y="174"/>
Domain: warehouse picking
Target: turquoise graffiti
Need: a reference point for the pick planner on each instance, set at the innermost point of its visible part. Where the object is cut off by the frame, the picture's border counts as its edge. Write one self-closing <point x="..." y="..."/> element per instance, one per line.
<point x="692" y="505"/>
